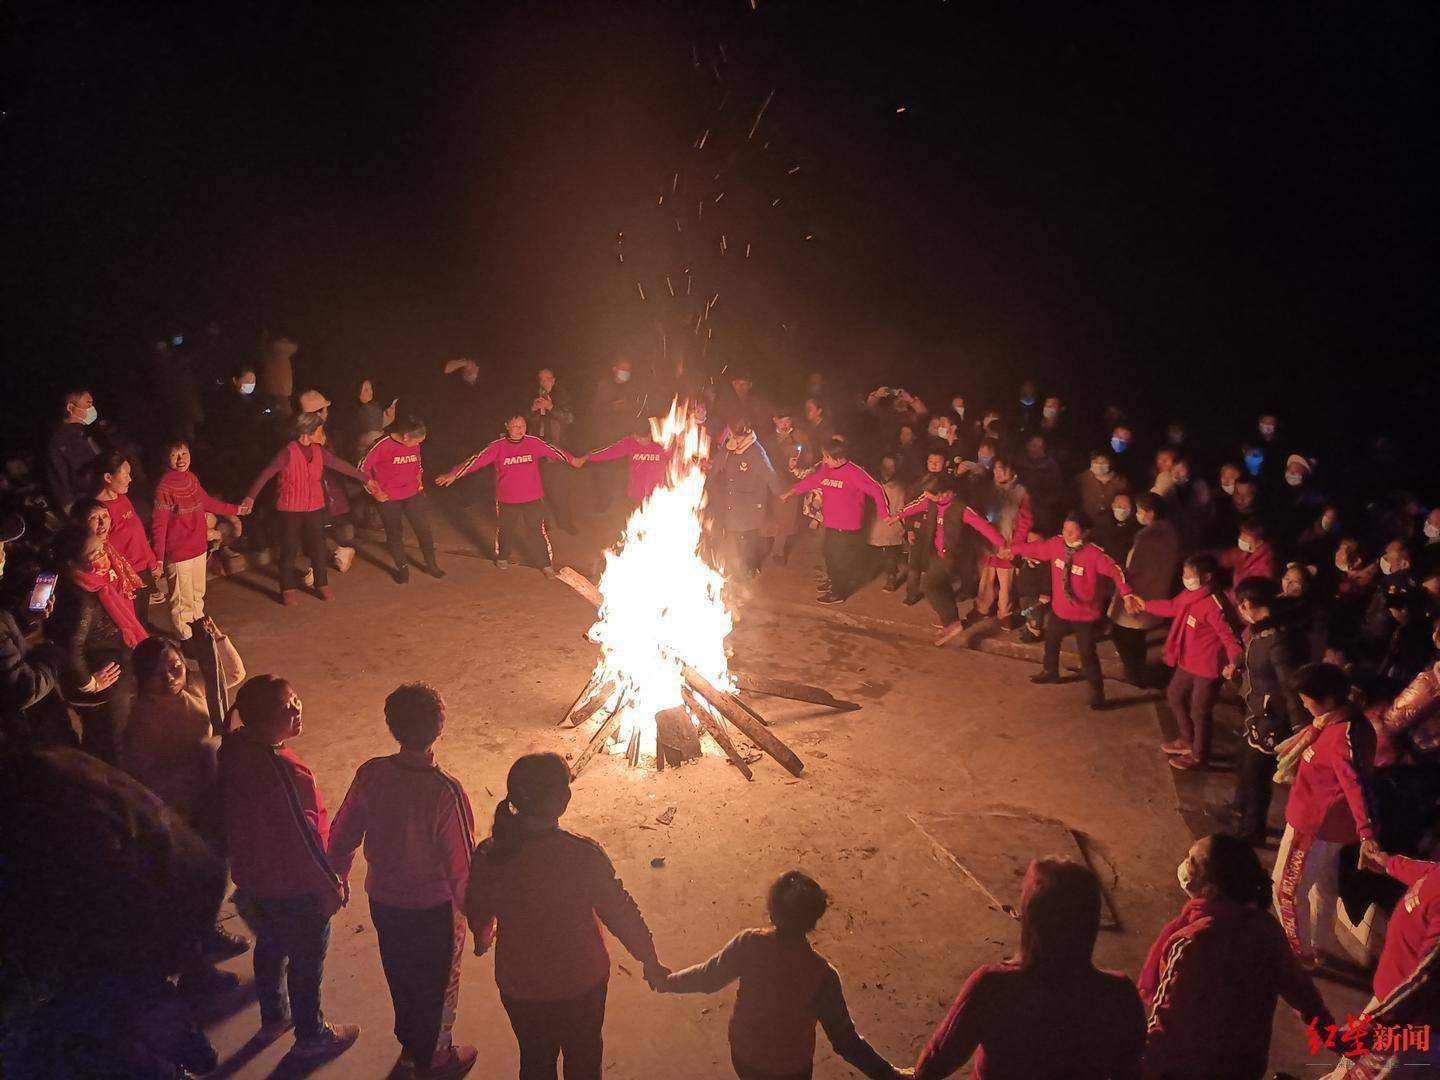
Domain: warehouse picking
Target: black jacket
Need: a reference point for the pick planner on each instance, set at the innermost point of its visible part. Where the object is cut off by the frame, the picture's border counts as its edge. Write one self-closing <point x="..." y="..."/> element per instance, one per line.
<point x="24" y="680"/>
<point x="959" y="538"/>
<point x="553" y="426"/>
<point x="1274" y="651"/>
<point x="71" y="448"/>
<point x="83" y="632"/>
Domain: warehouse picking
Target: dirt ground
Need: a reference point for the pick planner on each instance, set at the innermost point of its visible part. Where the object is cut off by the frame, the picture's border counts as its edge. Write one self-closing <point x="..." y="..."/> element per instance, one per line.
<point x="941" y="731"/>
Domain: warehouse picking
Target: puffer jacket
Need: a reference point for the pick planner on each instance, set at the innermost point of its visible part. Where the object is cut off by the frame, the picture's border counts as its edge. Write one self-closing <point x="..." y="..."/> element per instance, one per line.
<point x="1273" y="712"/>
<point x="1413" y="718"/>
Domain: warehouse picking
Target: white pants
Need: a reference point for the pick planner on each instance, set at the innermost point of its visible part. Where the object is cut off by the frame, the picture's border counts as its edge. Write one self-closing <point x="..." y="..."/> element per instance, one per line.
<point x="186" y="584"/>
<point x="1307" y="890"/>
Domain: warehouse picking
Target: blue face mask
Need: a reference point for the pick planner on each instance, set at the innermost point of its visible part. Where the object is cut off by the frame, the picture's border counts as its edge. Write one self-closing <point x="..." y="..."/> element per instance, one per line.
<point x="1027" y="400"/>
<point x="1253" y="462"/>
<point x="247" y="388"/>
<point x="1118" y="445"/>
<point x="986" y="461"/>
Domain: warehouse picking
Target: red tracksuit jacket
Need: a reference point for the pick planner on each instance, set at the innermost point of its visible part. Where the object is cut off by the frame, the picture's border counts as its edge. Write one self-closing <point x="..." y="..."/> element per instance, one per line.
<point x="1200" y="639"/>
<point x="942" y="507"/>
<point x="843" y="491"/>
<point x="517" y="467"/>
<point x="648" y="462"/>
<point x="1089" y="565"/>
<point x="1327" y="801"/>
<point x="1410" y="964"/>
<point x="395" y="467"/>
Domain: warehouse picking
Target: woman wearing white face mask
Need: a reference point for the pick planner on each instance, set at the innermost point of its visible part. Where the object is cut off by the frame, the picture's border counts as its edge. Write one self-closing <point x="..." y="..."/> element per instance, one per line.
<point x="1098" y="485"/>
<point x="1203" y="650"/>
<point x="1212" y="979"/>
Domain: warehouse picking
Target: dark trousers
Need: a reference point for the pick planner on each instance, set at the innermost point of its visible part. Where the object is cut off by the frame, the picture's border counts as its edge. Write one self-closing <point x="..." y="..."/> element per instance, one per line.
<point x="307" y="526"/>
<point x="1192" y="699"/>
<point x="547" y="1029"/>
<point x="558" y="493"/>
<point x="104" y="716"/>
<point x="1056" y="629"/>
<point x="415" y="510"/>
<point x="1130" y="643"/>
<point x="520" y="535"/>
<point x="143" y="595"/>
<point x="890" y="563"/>
<point x="746" y="549"/>
<point x="417" y="951"/>
<point x="914" y="572"/>
<point x="291" y="937"/>
<point x="940" y="590"/>
<point x="844" y="552"/>
<point x="1254" y="786"/>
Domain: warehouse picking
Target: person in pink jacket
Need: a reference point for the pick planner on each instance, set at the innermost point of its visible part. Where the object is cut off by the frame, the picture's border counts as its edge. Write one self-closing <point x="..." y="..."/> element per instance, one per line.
<point x="179" y="532"/>
<point x="1252" y="556"/>
<point x="647" y="461"/>
<point x="418" y="830"/>
<point x="844" y="487"/>
<point x="1077" y="598"/>
<point x="1203" y="650"/>
<point x="519" y="493"/>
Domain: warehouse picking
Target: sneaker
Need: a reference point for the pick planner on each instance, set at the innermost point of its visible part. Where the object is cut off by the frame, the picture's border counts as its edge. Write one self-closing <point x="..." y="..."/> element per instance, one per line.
<point x="892" y="586"/>
<point x="402" y="576"/>
<point x="330" y="1040"/>
<point x="221" y="944"/>
<point x="1045" y="677"/>
<point x="501" y="564"/>
<point x="343" y="558"/>
<point x="911" y="601"/>
<point x="434" y="571"/>
<point x="270" y="1030"/>
<point x="452" y="1061"/>
<point x="950" y="633"/>
<point x="1185" y="762"/>
<point x="1176" y="747"/>
<point x="325" y="592"/>
<point x="1011" y="622"/>
<point x="548" y="571"/>
<point x="289" y="597"/>
<point x="830" y="598"/>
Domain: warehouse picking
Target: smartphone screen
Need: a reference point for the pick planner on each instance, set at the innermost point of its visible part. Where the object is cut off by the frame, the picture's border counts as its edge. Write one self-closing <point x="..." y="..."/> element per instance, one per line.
<point x="44" y="589"/>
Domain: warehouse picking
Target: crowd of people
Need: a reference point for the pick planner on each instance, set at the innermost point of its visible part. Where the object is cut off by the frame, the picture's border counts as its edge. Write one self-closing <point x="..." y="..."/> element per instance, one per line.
<point x="1310" y="594"/>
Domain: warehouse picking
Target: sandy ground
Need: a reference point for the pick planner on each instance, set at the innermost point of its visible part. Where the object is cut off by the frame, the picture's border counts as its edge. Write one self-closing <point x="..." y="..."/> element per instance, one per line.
<point x="941" y="731"/>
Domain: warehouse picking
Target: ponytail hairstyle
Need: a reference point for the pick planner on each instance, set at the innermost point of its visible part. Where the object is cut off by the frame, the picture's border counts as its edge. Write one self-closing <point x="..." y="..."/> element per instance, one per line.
<point x="534" y="785"/>
<point x="1232" y="867"/>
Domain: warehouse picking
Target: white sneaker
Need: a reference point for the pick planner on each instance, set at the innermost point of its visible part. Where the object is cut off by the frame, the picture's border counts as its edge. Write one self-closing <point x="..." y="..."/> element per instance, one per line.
<point x="344" y="556"/>
<point x="502" y="564"/>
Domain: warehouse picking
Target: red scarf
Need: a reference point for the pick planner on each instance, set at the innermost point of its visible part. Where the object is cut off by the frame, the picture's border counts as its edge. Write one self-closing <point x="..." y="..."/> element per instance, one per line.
<point x="112" y="580"/>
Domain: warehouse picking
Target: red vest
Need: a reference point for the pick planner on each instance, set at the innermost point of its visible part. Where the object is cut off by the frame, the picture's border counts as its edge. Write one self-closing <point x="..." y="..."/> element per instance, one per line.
<point x="301" y="481"/>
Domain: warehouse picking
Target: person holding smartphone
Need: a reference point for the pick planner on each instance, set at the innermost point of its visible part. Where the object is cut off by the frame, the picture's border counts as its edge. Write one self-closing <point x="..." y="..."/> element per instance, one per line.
<point x="25" y="680"/>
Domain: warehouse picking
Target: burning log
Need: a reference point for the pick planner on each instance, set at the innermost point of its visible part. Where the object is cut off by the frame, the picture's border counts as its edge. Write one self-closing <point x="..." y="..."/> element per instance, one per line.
<point x="579" y="713"/>
<point x="744" y="718"/>
<point x="793" y="691"/>
<point x="728" y="706"/>
<point x="676" y="740"/>
<point x="601" y="736"/>
<point x="715" y="731"/>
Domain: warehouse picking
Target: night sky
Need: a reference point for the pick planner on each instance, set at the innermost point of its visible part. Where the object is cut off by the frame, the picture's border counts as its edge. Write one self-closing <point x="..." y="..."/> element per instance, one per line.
<point x="1197" y="210"/>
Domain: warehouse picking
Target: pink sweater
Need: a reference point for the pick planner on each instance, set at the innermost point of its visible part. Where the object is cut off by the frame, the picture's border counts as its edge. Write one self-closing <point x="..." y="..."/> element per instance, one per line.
<point x="178" y="523"/>
<point x="517" y="467"/>
<point x="418" y="829"/>
<point x="843" y="491"/>
<point x="648" y="461"/>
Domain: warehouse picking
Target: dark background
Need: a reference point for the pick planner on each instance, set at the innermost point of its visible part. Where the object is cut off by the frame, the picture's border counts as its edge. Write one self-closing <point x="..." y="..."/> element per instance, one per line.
<point x="1195" y="210"/>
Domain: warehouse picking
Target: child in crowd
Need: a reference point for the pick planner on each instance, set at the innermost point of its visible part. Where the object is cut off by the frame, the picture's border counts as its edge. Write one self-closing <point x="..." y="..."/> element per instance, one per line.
<point x="786" y="987"/>
<point x="179" y="530"/>
<point x="393" y="465"/>
<point x="543" y="893"/>
<point x="276" y="830"/>
<point x="418" y="830"/>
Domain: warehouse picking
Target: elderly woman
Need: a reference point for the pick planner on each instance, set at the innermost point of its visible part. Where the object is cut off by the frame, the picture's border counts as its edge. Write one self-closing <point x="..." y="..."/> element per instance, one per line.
<point x="1151" y="569"/>
<point x="95" y="628"/>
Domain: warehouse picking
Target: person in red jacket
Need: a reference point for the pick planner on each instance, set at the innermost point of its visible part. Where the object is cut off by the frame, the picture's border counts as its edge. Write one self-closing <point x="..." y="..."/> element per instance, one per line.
<point x="1328" y="809"/>
<point x="1215" y="972"/>
<point x="418" y="829"/>
<point x="540" y="894"/>
<point x="1077" y="601"/>
<point x="519" y="493"/>
<point x="1050" y="1014"/>
<point x="111" y="475"/>
<point x="180" y="534"/>
<point x="300" y="499"/>
<point x="276" y="830"/>
<point x="844" y="487"/>
<point x="786" y="987"/>
<point x="646" y="458"/>
<point x="393" y="464"/>
<point x="1202" y="649"/>
<point x="1252" y="556"/>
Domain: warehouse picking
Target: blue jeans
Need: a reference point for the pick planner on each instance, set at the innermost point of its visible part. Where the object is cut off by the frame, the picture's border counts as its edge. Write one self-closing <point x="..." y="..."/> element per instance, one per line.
<point x="291" y="937"/>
